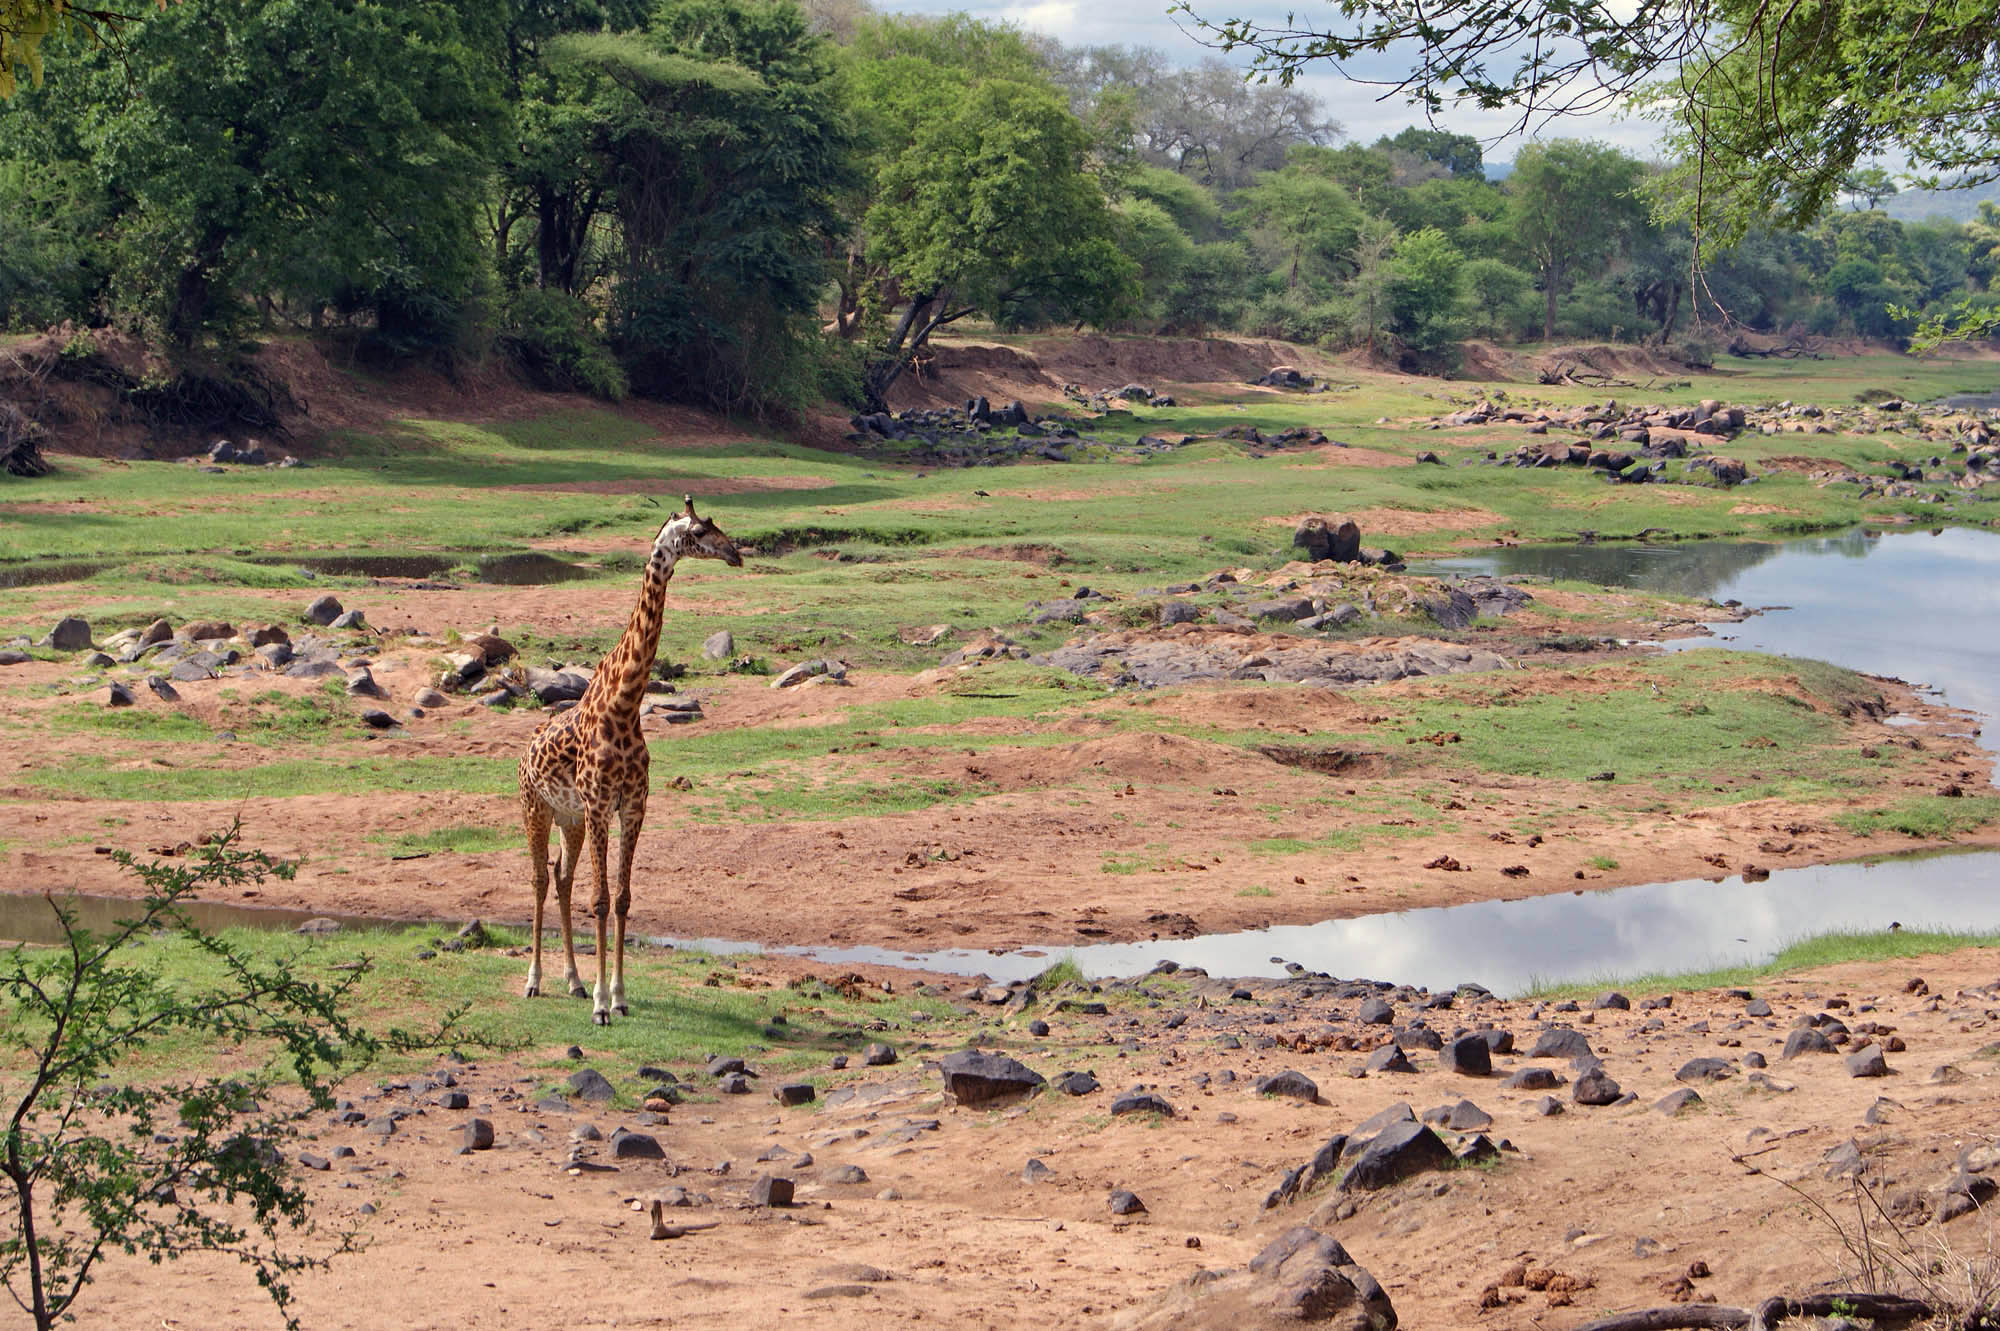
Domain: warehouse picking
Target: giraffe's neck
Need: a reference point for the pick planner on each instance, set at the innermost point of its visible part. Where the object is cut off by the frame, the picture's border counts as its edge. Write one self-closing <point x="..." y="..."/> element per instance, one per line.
<point x="620" y="681"/>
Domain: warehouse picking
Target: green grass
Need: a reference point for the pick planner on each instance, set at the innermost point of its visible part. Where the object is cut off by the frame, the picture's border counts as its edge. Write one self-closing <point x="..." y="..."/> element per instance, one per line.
<point x="459" y="840"/>
<point x="1811" y="953"/>
<point x="686" y="1005"/>
<point x="1927" y="817"/>
<point x="1059" y="972"/>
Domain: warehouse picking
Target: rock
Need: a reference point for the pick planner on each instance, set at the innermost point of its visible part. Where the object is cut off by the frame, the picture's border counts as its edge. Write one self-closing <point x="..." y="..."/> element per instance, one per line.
<point x="1036" y="1172"/>
<point x="590" y="1084"/>
<point x="1141" y="1102"/>
<point x="430" y="698"/>
<point x="974" y="1078"/>
<point x="1285" y="608"/>
<point x="323" y="611"/>
<point x="1611" y="1000"/>
<point x="478" y="1135"/>
<point x="1673" y="1102"/>
<point x="1560" y="1042"/>
<point x="635" y="1146"/>
<point x="157" y="632"/>
<point x="208" y="630"/>
<point x="551" y="686"/>
<point x="1867" y="1062"/>
<point x="795" y="1093"/>
<point x="1394" y="1154"/>
<point x="1374" y="1012"/>
<point x="361" y="684"/>
<point x="877" y="1055"/>
<point x="70" y="634"/>
<point x="1178" y="612"/>
<point x="1705" y="1069"/>
<point x="1531" y="1079"/>
<point x="454" y="1100"/>
<point x="1126" y="1203"/>
<point x="1321" y="538"/>
<point x="733" y="1084"/>
<point x="1806" y="1040"/>
<point x="1388" y="1058"/>
<point x="377" y="719"/>
<point x="351" y="619"/>
<point x="1466" y="1116"/>
<point x="771" y="1191"/>
<point x="1292" y="1085"/>
<point x="266" y="636"/>
<point x="1757" y="1007"/>
<point x="1302" y="1277"/>
<point x="1595" y="1087"/>
<point x="13" y="656"/>
<point x="1548" y="1107"/>
<point x="1075" y="1083"/>
<point x="118" y="695"/>
<point x="719" y="646"/>
<point x="1469" y="1056"/>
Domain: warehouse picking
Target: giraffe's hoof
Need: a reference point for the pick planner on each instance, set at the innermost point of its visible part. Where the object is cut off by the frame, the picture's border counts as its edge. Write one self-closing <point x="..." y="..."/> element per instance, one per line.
<point x="531" y="991"/>
<point x="578" y="991"/>
<point x="622" y="1010"/>
<point x="602" y="1018"/>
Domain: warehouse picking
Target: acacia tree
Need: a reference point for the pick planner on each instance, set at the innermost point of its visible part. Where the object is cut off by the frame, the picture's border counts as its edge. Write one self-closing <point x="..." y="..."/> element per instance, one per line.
<point x="1572" y="204"/>
<point x="990" y="211"/>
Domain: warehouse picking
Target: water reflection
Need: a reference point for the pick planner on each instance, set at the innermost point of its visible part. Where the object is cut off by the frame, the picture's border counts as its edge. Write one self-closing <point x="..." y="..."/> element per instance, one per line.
<point x="1508" y="945"/>
<point x="1918" y="606"/>
<point x="31" y="919"/>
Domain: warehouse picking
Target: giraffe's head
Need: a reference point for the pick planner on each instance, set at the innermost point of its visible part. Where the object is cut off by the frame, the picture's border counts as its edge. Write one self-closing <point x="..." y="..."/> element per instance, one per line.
<point x="688" y="534"/>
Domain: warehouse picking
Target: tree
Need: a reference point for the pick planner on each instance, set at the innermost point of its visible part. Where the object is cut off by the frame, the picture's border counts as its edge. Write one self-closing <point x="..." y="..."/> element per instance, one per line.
<point x="1573" y="203"/>
<point x="1313" y="220"/>
<point x="26" y="24"/>
<point x="163" y="1169"/>
<point x="726" y="155"/>
<point x="1458" y="154"/>
<point x="990" y="211"/>
<point x="282" y="171"/>
<point x="1772" y="106"/>
<point x="1870" y="185"/>
<point x="1425" y="291"/>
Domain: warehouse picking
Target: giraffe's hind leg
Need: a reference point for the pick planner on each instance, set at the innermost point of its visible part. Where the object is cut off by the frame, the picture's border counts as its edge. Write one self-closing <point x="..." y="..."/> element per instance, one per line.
<point x="597" y="830"/>
<point x="565" y="875"/>
<point x="535" y="819"/>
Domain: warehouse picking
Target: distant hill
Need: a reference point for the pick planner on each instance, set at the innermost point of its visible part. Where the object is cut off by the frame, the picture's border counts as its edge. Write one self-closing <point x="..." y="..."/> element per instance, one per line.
<point x="1498" y="171"/>
<point x="1913" y="205"/>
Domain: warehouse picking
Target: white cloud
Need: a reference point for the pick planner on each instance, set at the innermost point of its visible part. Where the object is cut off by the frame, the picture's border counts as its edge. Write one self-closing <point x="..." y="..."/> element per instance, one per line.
<point x="1360" y="107"/>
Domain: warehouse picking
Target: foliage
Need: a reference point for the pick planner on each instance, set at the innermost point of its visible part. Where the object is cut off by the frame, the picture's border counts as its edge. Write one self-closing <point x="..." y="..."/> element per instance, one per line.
<point x="555" y="338"/>
<point x="1425" y="289"/>
<point x="990" y="210"/>
<point x="1572" y="204"/>
<point x="164" y="1169"/>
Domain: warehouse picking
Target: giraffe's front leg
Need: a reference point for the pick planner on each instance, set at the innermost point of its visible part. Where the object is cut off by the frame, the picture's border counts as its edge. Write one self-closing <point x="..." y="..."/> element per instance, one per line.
<point x="565" y="876"/>
<point x="598" y="832"/>
<point x="629" y="823"/>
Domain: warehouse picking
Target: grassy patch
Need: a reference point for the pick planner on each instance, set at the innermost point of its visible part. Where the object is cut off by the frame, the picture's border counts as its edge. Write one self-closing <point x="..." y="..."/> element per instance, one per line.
<point x="1927" y="817"/>
<point x="464" y="839"/>
<point x="686" y="1005"/>
<point x="1806" y="954"/>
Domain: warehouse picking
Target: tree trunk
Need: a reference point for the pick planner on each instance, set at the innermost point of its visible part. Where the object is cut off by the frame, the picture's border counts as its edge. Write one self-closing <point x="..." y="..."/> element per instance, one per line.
<point x="1551" y="276"/>
<point x="193" y="291"/>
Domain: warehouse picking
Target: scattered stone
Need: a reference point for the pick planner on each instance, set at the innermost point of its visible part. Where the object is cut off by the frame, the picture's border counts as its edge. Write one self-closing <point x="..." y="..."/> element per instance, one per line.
<point x="1374" y="1012"/>
<point x="70" y="634"/>
<point x="795" y="1093"/>
<point x="1292" y="1085"/>
<point x="1126" y="1203"/>
<point x="1705" y="1069"/>
<point x="1388" y="1058"/>
<point x="323" y="611"/>
<point x="771" y="1190"/>
<point x="1469" y="1056"/>
<point x="1394" y="1154"/>
<point x="1595" y="1087"/>
<point x="1560" y="1042"/>
<point x="635" y="1146"/>
<point x="877" y="1056"/>
<point x="117" y="695"/>
<point x="1867" y="1062"/>
<point x="973" y="1078"/>
<point x="1075" y="1083"/>
<point x="590" y="1084"/>
<point x="1036" y="1172"/>
<point x="1141" y="1102"/>
<point x="1673" y="1102"/>
<point x="1806" y="1040"/>
<point x="1303" y="1276"/>
<point x="1531" y="1079"/>
<point x="719" y="646"/>
<point x="478" y="1135"/>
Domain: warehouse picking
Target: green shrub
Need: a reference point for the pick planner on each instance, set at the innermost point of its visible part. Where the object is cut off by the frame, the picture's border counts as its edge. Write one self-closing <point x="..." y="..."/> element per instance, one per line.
<point x="554" y="338"/>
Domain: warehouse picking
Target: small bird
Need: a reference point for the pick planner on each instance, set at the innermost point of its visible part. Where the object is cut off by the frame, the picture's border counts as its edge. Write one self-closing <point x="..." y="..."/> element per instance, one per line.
<point x="982" y="494"/>
<point x="167" y="692"/>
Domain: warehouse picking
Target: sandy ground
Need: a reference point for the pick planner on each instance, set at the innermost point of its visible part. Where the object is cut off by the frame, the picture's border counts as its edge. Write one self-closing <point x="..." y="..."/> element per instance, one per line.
<point x="945" y="1231"/>
<point x="1159" y="828"/>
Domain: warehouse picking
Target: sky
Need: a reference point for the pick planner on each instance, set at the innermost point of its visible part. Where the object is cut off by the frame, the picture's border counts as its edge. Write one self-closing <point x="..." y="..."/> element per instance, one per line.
<point x="1360" y="108"/>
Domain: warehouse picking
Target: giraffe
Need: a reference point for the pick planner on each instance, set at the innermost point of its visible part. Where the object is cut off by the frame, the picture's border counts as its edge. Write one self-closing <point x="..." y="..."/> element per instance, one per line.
<point x="588" y="765"/>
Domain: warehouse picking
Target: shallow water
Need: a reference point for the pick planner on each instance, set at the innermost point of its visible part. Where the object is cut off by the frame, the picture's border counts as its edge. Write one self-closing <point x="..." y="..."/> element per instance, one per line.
<point x="1919" y="606"/>
<point x="32" y="919"/>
